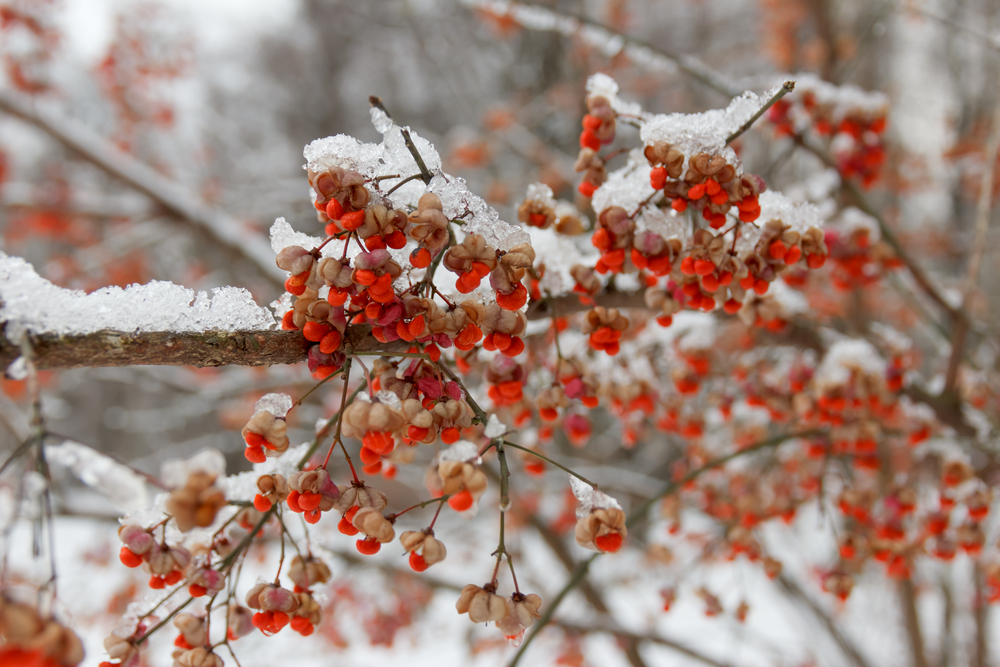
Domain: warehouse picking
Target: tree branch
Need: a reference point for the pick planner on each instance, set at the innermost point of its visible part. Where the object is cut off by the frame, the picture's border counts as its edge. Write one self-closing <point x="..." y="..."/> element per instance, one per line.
<point x="224" y="230"/>
<point x="165" y="348"/>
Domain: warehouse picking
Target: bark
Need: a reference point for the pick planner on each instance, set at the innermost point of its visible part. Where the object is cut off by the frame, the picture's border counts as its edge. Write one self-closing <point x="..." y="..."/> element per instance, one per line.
<point x="160" y="348"/>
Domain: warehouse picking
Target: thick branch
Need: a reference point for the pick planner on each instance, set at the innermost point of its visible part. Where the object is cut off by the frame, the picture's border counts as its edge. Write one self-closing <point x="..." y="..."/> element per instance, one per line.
<point x="164" y="348"/>
<point x="224" y="230"/>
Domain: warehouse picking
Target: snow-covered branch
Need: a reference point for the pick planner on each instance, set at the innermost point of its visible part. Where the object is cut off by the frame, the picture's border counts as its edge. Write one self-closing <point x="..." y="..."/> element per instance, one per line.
<point x="167" y="348"/>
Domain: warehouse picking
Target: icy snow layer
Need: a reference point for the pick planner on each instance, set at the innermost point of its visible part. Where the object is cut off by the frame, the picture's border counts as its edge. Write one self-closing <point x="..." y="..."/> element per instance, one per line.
<point x="393" y="157"/>
<point x="706" y="131"/>
<point x="799" y="216"/>
<point x="30" y="303"/>
<point x="845" y="356"/>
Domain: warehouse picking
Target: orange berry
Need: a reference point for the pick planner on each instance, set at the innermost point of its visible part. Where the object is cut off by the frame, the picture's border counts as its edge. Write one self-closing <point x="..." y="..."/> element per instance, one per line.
<point x="679" y="205"/>
<point x="197" y="590"/>
<point x="368" y="546"/>
<point x="302" y="626"/>
<point x="330" y="342"/>
<point x="254" y="454"/>
<point x="334" y="210"/>
<point x="461" y="501"/>
<point x="314" y="331"/>
<point x="287" y="323"/>
<point x="352" y="220"/>
<point x="450" y="435"/>
<point x="128" y="558"/>
<point x="591" y="123"/>
<point x="589" y="140"/>
<point x="696" y="191"/>
<point x="658" y="177"/>
<point x="609" y="543"/>
<point x="420" y="258"/>
<point x="417" y="562"/>
<point x="587" y="189"/>
<point x="261" y="504"/>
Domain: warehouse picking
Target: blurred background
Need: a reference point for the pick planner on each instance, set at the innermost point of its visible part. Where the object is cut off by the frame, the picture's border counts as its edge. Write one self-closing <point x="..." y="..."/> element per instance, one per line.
<point x="219" y="98"/>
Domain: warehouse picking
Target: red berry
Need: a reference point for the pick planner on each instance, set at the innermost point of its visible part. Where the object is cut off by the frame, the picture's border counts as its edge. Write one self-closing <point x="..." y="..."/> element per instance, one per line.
<point x="609" y="543"/>
<point x="417" y="562"/>
<point x="369" y="546"/>
<point x="128" y="558"/>
<point x="461" y="501"/>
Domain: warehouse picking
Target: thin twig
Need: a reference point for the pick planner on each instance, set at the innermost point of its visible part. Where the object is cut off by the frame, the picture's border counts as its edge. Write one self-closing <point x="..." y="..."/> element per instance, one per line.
<point x="786" y="87"/>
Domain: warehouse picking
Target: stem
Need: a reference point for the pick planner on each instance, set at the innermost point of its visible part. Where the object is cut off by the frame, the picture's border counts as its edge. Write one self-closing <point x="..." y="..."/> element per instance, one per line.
<point x="402" y="183"/>
<point x="323" y="431"/>
<point x="441" y="500"/>
<point x="281" y="559"/>
<point x="166" y="620"/>
<point x="548" y="460"/>
<point x="786" y="87"/>
<point x="425" y="174"/>
<point x="317" y="386"/>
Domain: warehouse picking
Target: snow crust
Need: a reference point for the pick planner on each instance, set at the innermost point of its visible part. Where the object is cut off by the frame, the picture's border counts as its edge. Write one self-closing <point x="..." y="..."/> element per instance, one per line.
<point x="393" y="157"/>
<point x="30" y="303"/>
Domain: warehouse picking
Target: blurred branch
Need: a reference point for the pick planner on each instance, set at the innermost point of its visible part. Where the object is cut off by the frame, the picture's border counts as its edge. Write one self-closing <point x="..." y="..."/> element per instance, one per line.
<point x="542" y="18"/>
<point x="226" y="231"/>
<point x="165" y="348"/>
<point x="831" y="626"/>
<point x="983" y="208"/>
<point x="907" y="598"/>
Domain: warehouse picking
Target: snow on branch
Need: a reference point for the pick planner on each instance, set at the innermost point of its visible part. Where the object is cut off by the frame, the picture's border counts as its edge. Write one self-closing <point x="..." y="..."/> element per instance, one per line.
<point x="157" y="324"/>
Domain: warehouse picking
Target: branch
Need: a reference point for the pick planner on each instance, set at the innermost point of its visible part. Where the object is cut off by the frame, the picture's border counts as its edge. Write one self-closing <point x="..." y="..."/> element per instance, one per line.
<point x="983" y="207"/>
<point x="223" y="229"/>
<point x="907" y="598"/>
<point x="845" y="644"/>
<point x="165" y="348"/>
<point x="786" y="87"/>
<point x="567" y="24"/>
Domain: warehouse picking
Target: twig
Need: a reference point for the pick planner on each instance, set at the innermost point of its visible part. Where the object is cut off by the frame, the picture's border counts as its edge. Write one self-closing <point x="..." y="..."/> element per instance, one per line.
<point x="548" y="460"/>
<point x="425" y="174"/>
<point x="786" y="87"/>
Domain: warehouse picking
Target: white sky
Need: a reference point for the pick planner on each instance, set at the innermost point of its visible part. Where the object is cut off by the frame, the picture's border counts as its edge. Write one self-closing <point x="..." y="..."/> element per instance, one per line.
<point x="218" y="23"/>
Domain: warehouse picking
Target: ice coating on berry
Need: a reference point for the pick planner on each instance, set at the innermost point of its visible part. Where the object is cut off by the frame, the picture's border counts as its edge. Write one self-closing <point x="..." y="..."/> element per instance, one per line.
<point x="590" y="498"/>
<point x="31" y="303"/>
<point x="463" y="451"/>
<point x="277" y="404"/>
